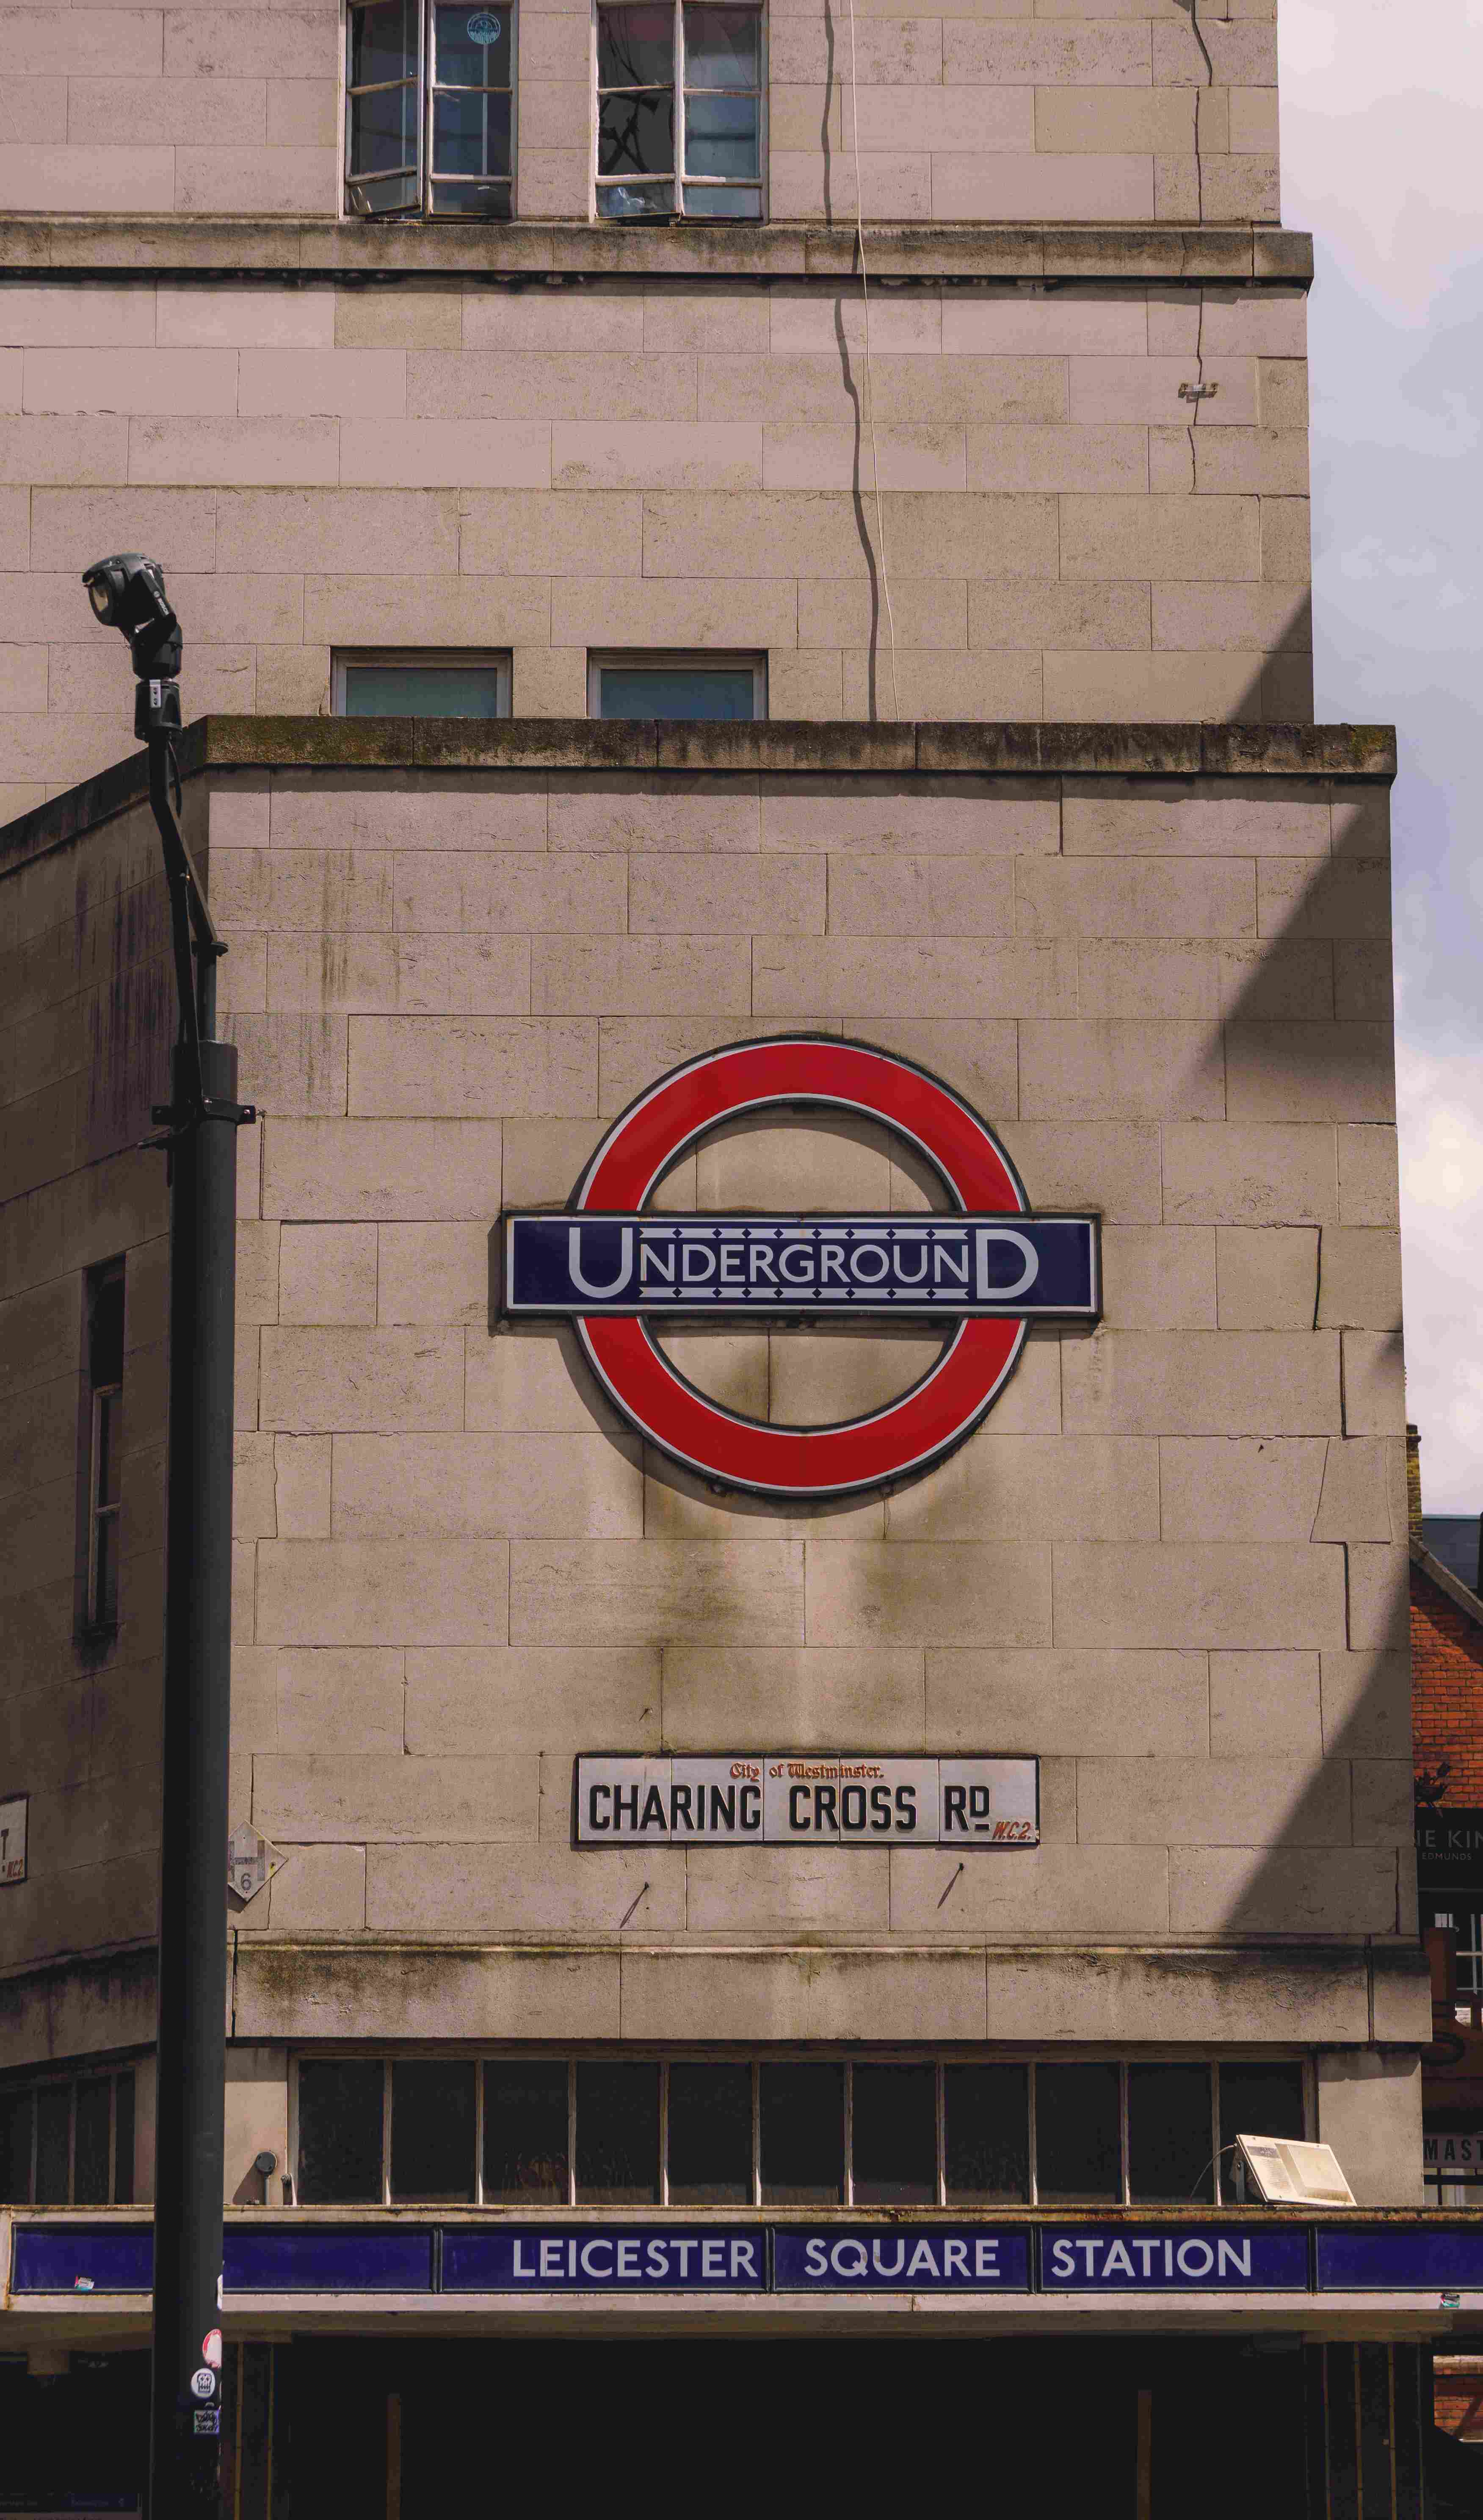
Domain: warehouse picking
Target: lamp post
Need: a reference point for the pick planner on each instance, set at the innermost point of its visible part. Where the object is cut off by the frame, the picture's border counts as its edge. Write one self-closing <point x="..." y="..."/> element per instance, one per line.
<point x="199" y="1132"/>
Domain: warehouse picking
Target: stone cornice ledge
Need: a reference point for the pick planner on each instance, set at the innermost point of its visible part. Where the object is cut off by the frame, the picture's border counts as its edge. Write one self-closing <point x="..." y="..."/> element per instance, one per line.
<point x="775" y="747"/>
<point x="205" y="248"/>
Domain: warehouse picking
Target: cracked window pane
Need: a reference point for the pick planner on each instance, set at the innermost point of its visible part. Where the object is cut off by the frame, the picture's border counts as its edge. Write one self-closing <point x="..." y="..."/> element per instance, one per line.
<point x="721" y="47"/>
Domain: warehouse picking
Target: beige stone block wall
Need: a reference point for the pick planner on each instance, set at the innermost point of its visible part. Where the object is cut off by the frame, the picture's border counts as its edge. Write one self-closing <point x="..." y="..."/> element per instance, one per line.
<point x="1026" y="113"/>
<point x="1171" y="1564"/>
<point x="541" y="471"/>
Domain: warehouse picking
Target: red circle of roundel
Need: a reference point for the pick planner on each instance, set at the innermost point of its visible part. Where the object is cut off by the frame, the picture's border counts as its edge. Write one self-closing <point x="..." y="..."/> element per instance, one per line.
<point x="908" y="1433"/>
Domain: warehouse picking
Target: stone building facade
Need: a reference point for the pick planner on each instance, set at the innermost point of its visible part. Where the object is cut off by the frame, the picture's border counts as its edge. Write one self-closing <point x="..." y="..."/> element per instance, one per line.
<point x="1038" y="805"/>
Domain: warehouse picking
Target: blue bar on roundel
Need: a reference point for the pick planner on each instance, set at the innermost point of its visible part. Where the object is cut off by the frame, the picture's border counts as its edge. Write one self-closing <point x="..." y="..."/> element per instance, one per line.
<point x="1019" y="1266"/>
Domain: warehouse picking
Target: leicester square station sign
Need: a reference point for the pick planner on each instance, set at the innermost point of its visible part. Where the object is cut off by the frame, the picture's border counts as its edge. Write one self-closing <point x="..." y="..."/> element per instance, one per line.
<point x="985" y="1269"/>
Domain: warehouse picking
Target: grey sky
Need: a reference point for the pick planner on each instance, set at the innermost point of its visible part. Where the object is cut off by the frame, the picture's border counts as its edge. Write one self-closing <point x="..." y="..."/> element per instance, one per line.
<point x="1389" y="176"/>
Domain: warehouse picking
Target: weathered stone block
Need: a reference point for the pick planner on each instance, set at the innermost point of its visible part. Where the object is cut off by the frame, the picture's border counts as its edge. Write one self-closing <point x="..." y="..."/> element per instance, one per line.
<point x="1239" y="1597"/>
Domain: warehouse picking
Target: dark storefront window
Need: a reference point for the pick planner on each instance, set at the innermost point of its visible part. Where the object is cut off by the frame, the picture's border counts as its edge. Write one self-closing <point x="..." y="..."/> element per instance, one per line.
<point x="895" y="2135"/>
<point x="69" y="2142"/>
<point x="1077" y="2146"/>
<point x="526" y="2134"/>
<point x="340" y="2104"/>
<point x="432" y="2116"/>
<point x="617" y="2135"/>
<point x="888" y="2130"/>
<point x="710" y="2135"/>
<point x="1171" y="2134"/>
<point x="802" y="2134"/>
<point x="1260" y="2100"/>
<point x="987" y="2112"/>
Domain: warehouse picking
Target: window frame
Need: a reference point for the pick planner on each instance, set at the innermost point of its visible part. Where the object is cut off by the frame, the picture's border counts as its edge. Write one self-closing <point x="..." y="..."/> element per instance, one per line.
<point x="425" y="82"/>
<point x="941" y="2058"/>
<point x="599" y="183"/>
<point x="497" y="660"/>
<point x="678" y="660"/>
<point x="100" y="1458"/>
<point x="31" y="2087"/>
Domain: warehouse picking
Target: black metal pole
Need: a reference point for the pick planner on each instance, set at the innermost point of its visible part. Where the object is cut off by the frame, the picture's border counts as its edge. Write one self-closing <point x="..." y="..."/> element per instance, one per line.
<point x="185" y="2431"/>
<point x="201" y="1121"/>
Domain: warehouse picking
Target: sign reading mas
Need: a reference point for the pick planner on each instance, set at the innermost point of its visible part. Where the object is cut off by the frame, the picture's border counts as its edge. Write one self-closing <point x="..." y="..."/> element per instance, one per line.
<point x="985" y="1269"/>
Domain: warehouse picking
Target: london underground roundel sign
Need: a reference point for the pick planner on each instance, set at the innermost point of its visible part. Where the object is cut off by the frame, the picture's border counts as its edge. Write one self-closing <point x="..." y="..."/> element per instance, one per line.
<point x="985" y="1267"/>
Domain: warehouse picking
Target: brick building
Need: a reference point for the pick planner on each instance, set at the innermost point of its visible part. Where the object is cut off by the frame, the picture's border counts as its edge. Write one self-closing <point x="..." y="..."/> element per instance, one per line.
<point x="494" y="457"/>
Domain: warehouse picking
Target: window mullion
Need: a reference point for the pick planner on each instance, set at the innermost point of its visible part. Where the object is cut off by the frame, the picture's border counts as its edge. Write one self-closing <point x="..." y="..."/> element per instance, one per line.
<point x="679" y="107"/>
<point x="427" y="72"/>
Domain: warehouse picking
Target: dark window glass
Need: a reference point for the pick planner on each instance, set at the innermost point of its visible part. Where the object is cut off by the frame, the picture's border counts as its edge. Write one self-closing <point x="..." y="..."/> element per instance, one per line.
<point x="802" y="2134"/>
<point x="105" y="1364"/>
<point x="894" y="2135"/>
<point x="53" y="2116"/>
<point x="473" y="47"/>
<point x="1077" y="2150"/>
<point x="382" y="43"/>
<point x="678" y="691"/>
<point x="90" y="2159"/>
<point x="384" y="130"/>
<point x="525" y="2134"/>
<point x="1170" y="2139"/>
<point x="722" y="202"/>
<point x="636" y="47"/>
<point x="123" y="2140"/>
<point x="1259" y="2100"/>
<point x="710" y="2135"/>
<point x="472" y="117"/>
<point x="432" y="2108"/>
<point x="636" y="134"/>
<point x="14" y="2148"/>
<point x="422" y="691"/>
<point x="340" y="2132"/>
<point x="619" y="2135"/>
<point x="384" y="107"/>
<point x="987" y="2108"/>
<point x="721" y="136"/>
<point x="471" y="201"/>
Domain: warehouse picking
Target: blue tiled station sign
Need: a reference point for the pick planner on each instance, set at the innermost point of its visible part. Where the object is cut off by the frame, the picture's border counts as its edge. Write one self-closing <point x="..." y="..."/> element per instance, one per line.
<point x="847" y="2256"/>
<point x="1158" y="2258"/>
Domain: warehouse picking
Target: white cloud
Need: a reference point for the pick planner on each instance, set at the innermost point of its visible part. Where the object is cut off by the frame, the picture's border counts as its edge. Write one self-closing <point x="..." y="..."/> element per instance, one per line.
<point x="1381" y="146"/>
<point x="1387" y="177"/>
<point x="1441" y="1115"/>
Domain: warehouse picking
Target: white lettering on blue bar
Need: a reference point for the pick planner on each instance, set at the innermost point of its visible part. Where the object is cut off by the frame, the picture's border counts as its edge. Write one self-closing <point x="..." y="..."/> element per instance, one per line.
<point x="1042" y="1267"/>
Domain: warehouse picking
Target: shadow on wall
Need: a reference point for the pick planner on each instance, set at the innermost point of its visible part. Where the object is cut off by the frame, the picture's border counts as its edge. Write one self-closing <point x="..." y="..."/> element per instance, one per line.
<point x="1334" y="1061"/>
<point x="1331" y="1704"/>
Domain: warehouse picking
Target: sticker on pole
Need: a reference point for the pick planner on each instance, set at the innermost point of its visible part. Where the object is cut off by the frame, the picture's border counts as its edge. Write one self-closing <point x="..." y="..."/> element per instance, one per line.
<point x="203" y="2384"/>
<point x="984" y="1266"/>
